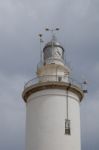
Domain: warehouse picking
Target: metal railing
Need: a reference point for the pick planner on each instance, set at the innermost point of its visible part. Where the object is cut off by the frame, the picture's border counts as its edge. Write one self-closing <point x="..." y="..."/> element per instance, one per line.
<point x="52" y="78"/>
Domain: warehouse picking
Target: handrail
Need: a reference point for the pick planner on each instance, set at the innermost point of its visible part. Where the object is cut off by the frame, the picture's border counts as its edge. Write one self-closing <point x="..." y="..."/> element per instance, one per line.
<point x="52" y="78"/>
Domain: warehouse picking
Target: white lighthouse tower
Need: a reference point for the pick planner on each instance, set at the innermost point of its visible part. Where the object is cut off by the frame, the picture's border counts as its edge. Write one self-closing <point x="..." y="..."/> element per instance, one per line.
<point x="53" y="104"/>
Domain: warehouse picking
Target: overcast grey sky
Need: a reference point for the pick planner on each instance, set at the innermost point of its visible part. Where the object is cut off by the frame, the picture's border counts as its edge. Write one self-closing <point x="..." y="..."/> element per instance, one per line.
<point x="20" y="23"/>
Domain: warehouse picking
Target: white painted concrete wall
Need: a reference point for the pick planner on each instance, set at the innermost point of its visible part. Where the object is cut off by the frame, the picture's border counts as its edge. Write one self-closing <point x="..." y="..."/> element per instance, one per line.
<point x="52" y="72"/>
<point x="45" y="121"/>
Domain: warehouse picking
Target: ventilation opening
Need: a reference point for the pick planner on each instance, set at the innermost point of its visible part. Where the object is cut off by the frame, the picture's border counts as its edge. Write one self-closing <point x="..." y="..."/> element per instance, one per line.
<point x="67" y="127"/>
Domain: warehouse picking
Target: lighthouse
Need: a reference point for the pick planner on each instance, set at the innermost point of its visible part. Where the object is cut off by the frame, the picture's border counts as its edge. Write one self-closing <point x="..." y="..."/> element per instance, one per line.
<point x="53" y="103"/>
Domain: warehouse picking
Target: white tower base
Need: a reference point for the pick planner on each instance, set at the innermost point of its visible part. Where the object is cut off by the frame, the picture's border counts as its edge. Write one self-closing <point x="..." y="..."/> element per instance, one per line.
<point x="46" y="113"/>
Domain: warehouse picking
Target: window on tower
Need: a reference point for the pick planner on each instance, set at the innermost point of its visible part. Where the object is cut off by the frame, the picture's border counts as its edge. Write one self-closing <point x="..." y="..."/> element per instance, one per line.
<point x="67" y="127"/>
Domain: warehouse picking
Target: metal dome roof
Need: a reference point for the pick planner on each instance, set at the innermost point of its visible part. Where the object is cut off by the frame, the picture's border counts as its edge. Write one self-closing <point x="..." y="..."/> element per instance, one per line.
<point x="54" y="43"/>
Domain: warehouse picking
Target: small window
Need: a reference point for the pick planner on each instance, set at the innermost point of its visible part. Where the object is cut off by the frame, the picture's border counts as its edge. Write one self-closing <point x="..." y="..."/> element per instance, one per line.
<point x="67" y="127"/>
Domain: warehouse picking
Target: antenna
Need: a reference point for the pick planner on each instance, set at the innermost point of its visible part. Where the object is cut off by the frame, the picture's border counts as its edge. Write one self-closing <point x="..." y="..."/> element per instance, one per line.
<point x="85" y="86"/>
<point x="41" y="41"/>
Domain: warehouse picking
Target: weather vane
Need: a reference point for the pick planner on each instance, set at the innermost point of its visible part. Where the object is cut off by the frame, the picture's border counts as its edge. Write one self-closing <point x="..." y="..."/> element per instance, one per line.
<point x="52" y="32"/>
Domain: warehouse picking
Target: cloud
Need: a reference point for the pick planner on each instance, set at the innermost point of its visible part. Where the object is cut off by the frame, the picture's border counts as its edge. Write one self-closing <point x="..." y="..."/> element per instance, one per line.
<point x="90" y="121"/>
<point x="12" y="113"/>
